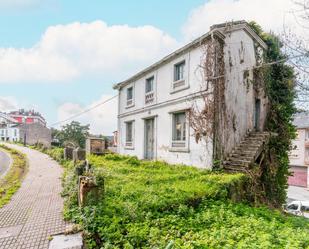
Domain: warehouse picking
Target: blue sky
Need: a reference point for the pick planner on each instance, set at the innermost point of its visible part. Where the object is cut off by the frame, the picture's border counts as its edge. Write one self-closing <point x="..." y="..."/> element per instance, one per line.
<point x="59" y="57"/>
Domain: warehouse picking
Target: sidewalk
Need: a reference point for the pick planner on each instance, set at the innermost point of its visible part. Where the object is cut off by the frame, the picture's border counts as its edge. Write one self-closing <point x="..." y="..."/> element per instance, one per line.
<point x="35" y="211"/>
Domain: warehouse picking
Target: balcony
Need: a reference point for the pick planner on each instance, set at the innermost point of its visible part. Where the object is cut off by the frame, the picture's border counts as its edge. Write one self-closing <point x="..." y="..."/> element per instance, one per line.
<point x="149" y="98"/>
<point x="307" y="142"/>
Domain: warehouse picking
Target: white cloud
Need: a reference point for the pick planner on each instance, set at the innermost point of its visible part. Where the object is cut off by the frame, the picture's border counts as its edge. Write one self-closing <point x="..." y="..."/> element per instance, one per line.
<point x="66" y="52"/>
<point x="102" y="120"/>
<point x="270" y="14"/>
<point x="8" y="103"/>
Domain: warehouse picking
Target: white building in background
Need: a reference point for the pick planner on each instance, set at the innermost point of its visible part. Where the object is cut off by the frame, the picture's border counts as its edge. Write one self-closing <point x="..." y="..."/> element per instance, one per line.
<point x="154" y="103"/>
<point x="299" y="156"/>
<point x="9" y="130"/>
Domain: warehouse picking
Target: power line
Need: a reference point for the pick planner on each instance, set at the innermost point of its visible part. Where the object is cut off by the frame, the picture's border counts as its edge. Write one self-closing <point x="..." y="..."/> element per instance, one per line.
<point x="84" y="111"/>
<point x="210" y="78"/>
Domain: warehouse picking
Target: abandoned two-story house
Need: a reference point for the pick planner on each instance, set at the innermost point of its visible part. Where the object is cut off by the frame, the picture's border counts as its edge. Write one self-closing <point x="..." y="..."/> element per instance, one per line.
<point x="160" y="107"/>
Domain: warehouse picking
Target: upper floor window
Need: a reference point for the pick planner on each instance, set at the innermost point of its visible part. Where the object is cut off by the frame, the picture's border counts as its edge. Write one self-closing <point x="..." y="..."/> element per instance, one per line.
<point x="130" y="96"/>
<point x="179" y="71"/>
<point x="149" y="86"/>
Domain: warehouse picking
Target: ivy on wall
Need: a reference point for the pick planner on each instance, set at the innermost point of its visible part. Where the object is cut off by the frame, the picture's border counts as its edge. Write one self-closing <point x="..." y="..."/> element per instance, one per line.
<point x="279" y="79"/>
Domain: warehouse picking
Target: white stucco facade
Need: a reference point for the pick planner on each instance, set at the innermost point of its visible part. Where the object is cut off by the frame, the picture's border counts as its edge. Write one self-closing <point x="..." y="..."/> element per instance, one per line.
<point x="171" y="97"/>
<point x="9" y="130"/>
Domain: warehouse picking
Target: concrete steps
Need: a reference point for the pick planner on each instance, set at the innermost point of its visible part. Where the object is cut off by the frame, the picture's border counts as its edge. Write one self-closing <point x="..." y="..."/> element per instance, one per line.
<point x="245" y="154"/>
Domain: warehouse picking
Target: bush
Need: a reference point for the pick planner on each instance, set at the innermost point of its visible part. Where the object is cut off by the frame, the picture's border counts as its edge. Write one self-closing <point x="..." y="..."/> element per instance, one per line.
<point x="156" y="205"/>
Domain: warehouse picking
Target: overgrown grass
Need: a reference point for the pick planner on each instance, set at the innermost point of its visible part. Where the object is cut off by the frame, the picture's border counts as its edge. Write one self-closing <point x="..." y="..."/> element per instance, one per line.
<point x="10" y="183"/>
<point x="156" y="205"/>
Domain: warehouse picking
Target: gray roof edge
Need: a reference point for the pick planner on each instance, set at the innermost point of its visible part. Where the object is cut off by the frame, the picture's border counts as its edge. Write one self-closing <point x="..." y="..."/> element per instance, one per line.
<point x="216" y="33"/>
<point x="218" y="30"/>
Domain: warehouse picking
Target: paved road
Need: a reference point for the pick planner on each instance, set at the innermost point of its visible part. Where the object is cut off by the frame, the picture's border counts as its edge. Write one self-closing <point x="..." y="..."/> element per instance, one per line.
<point x="35" y="211"/>
<point x="298" y="193"/>
<point x="5" y="162"/>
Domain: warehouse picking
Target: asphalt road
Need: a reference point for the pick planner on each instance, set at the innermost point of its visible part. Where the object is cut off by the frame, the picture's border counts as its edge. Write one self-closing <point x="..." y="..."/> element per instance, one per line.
<point x="4" y="162"/>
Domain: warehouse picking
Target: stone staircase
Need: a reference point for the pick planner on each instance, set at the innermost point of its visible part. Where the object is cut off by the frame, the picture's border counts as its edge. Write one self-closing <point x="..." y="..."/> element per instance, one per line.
<point x="246" y="153"/>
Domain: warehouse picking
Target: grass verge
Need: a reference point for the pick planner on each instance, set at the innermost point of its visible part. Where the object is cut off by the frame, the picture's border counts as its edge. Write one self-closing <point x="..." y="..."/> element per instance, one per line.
<point x="10" y="183"/>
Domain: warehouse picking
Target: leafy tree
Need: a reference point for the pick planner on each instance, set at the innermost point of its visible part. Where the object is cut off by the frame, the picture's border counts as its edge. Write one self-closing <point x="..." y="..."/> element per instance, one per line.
<point x="74" y="132"/>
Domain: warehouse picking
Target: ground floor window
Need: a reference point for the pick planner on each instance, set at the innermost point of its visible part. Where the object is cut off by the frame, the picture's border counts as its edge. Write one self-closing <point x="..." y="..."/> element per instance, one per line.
<point x="129" y="133"/>
<point x="179" y="129"/>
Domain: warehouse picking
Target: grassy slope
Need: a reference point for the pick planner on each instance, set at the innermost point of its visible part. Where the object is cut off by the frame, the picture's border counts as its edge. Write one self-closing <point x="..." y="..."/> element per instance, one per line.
<point x="155" y="205"/>
<point x="12" y="180"/>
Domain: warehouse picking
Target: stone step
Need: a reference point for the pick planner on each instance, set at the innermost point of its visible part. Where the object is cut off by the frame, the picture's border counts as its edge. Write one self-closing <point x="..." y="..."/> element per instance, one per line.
<point x="240" y="153"/>
<point x="237" y="163"/>
<point x="242" y="158"/>
<point x="235" y="169"/>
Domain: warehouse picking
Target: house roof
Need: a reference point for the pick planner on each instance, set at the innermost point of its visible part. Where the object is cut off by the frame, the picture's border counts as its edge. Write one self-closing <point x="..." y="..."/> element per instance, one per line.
<point x="301" y="120"/>
<point x="217" y="30"/>
<point x="5" y="116"/>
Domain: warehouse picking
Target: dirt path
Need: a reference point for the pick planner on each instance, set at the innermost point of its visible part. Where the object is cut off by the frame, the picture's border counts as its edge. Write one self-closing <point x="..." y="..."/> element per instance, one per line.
<point x="35" y="211"/>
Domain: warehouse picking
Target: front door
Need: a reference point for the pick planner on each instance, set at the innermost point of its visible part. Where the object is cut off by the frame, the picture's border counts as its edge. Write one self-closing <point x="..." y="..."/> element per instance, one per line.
<point x="149" y="139"/>
<point x="257" y="114"/>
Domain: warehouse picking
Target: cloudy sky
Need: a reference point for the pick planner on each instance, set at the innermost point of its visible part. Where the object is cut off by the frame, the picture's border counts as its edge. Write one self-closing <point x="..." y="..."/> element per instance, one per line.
<point x="61" y="57"/>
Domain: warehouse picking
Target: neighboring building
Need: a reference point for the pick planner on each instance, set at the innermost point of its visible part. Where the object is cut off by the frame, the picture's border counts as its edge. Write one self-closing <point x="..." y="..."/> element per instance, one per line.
<point x="29" y="131"/>
<point x="299" y="156"/>
<point x="27" y="117"/>
<point x="153" y="104"/>
<point x="9" y="130"/>
<point x="35" y="133"/>
<point x="115" y="139"/>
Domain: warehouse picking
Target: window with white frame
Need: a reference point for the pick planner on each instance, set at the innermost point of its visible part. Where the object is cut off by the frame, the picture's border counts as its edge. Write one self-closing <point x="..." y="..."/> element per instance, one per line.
<point x="179" y="75"/>
<point x="179" y="129"/>
<point x="130" y="96"/>
<point x="129" y="134"/>
<point x="149" y="87"/>
<point x="179" y="71"/>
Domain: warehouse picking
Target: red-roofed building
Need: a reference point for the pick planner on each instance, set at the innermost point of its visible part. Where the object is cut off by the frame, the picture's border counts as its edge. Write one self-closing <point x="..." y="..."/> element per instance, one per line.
<point x="27" y="117"/>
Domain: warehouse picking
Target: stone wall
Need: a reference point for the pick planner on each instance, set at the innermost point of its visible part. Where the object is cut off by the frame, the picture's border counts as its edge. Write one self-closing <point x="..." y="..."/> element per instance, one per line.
<point x="35" y="134"/>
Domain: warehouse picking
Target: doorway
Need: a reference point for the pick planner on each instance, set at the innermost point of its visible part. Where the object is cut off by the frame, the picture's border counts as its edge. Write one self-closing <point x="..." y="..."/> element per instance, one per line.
<point x="257" y="114"/>
<point x="149" y="139"/>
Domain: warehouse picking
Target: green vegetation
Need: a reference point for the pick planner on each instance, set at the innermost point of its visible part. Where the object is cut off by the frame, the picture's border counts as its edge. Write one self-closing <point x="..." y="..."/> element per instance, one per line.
<point x="73" y="132"/>
<point x="279" y="79"/>
<point x="10" y="183"/>
<point x="156" y="205"/>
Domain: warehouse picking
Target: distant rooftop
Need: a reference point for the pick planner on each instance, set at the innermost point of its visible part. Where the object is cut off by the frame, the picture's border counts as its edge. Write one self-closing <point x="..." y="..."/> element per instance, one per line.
<point x="26" y="113"/>
<point x="301" y="120"/>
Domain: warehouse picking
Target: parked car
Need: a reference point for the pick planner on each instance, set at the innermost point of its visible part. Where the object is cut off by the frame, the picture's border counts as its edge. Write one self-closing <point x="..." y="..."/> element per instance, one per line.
<point x="299" y="208"/>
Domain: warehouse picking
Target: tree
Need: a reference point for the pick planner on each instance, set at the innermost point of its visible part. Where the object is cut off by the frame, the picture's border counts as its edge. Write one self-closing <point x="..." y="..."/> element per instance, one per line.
<point x="74" y="132"/>
<point x="296" y="46"/>
<point x="279" y="78"/>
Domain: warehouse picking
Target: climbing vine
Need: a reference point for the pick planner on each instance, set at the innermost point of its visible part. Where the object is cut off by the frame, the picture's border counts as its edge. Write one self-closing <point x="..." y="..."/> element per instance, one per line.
<point x="279" y="80"/>
<point x="205" y="118"/>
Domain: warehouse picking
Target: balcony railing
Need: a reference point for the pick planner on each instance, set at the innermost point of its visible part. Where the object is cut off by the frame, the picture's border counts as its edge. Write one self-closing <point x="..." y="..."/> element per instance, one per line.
<point x="149" y="98"/>
<point x="129" y="102"/>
